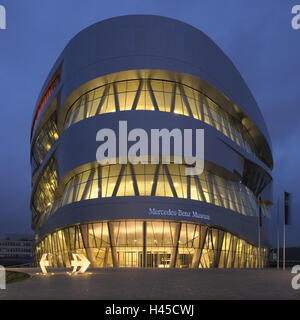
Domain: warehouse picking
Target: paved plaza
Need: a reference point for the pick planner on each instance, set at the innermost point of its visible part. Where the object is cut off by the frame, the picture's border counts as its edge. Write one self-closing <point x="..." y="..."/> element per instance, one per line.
<point x="138" y="284"/>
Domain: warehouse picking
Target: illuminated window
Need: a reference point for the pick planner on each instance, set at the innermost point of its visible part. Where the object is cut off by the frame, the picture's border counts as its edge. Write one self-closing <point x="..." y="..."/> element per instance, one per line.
<point x="160" y="181"/>
<point x="151" y="244"/>
<point x="159" y="95"/>
<point x="43" y="197"/>
<point x="43" y="143"/>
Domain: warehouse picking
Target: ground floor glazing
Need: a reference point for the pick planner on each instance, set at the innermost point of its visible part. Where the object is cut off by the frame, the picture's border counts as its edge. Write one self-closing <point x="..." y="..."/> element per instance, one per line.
<point x="150" y="244"/>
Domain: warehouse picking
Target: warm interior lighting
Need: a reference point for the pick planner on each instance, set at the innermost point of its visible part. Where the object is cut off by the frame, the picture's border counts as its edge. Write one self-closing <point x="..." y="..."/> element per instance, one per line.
<point x="189" y="102"/>
<point x="222" y="193"/>
<point x="160" y="245"/>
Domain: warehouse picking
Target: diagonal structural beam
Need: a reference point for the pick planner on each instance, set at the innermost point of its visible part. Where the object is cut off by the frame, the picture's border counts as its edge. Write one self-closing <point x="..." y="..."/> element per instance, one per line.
<point x="153" y="99"/>
<point x="137" y="96"/>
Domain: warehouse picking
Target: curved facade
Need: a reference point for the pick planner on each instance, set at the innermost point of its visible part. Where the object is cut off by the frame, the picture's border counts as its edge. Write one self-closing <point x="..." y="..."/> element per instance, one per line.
<point x="154" y="73"/>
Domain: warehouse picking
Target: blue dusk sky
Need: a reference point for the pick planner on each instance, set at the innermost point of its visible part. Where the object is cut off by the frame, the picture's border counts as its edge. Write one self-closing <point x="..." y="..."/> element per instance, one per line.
<point x="256" y="35"/>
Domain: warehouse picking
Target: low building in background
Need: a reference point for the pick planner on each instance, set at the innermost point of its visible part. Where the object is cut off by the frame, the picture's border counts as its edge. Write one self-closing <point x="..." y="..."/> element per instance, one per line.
<point x="16" y="249"/>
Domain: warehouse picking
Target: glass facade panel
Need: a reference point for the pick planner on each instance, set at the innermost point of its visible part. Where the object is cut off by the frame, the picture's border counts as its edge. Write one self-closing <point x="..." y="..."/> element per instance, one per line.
<point x="43" y="143"/>
<point x="151" y="244"/>
<point x="159" y="95"/>
<point x="128" y="243"/>
<point x="92" y="240"/>
<point x="44" y="195"/>
<point x="161" y="181"/>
